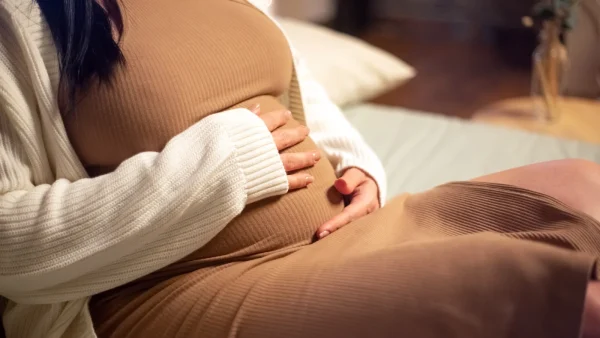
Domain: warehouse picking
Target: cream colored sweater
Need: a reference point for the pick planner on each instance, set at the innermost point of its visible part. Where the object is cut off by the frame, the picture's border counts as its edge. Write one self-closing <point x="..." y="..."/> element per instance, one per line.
<point x="65" y="237"/>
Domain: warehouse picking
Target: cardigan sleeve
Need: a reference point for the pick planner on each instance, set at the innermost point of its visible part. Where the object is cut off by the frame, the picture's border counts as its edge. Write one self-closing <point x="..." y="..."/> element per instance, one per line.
<point x="65" y="240"/>
<point x="334" y="134"/>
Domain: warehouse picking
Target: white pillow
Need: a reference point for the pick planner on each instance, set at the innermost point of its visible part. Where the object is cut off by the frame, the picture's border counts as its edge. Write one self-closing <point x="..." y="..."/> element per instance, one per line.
<point x="350" y="70"/>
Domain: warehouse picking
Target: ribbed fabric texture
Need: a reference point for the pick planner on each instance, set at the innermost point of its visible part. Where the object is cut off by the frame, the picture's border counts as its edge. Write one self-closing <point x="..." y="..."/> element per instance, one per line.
<point x="269" y="225"/>
<point x="171" y="80"/>
<point x="253" y="67"/>
<point x="461" y="260"/>
<point x="65" y="237"/>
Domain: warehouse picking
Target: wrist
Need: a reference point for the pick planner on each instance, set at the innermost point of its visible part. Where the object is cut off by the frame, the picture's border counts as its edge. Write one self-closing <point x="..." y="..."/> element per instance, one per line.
<point x="256" y="154"/>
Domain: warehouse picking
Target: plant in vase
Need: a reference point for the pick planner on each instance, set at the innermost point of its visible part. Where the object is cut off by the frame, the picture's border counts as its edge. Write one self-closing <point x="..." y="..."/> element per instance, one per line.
<point x="553" y="18"/>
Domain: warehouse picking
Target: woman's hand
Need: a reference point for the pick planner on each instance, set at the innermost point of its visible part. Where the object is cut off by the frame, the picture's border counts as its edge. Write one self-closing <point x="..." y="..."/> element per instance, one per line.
<point x="286" y="138"/>
<point x="363" y="193"/>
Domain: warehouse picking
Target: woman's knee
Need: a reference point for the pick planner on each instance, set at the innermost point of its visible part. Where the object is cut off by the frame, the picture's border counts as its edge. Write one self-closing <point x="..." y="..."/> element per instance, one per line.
<point x="576" y="168"/>
<point x="569" y="174"/>
<point x="575" y="182"/>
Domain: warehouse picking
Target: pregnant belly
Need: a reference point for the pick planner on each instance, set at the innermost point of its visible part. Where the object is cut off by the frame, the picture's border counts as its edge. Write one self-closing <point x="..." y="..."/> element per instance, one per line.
<point x="279" y="222"/>
<point x="273" y="224"/>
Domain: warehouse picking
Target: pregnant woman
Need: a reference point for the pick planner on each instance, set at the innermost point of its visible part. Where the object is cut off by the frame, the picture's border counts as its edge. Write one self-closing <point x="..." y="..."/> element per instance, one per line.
<point x="169" y="169"/>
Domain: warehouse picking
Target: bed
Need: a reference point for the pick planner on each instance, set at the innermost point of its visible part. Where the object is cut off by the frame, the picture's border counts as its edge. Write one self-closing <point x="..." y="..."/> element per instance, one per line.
<point x="421" y="150"/>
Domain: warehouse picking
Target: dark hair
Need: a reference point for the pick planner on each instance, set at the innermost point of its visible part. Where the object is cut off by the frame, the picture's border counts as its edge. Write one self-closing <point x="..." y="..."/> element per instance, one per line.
<point x="86" y="36"/>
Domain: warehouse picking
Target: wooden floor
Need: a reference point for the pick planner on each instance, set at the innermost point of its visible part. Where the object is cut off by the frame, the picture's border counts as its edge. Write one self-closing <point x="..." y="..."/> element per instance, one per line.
<point x="460" y="68"/>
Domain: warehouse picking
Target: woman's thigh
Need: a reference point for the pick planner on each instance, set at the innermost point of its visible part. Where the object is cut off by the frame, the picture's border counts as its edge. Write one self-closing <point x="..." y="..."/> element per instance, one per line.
<point x="574" y="182"/>
<point x="425" y="290"/>
<point x="473" y="286"/>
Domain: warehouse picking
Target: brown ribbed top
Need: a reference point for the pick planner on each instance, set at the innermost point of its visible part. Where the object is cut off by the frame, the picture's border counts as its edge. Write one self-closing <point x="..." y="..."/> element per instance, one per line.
<point x="187" y="59"/>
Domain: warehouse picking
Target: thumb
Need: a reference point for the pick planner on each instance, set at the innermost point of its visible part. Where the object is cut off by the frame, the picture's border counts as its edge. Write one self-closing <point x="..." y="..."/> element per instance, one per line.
<point x="351" y="179"/>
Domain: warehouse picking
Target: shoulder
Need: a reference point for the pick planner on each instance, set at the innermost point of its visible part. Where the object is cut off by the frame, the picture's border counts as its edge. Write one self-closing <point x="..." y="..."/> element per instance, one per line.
<point x="24" y="69"/>
<point x="26" y="43"/>
<point x="20" y="12"/>
<point x="20" y="21"/>
<point x="25" y="88"/>
<point x="12" y="26"/>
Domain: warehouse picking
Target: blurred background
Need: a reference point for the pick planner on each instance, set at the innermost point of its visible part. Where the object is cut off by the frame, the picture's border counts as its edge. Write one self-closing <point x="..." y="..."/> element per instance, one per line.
<point x="447" y="90"/>
<point x="467" y="53"/>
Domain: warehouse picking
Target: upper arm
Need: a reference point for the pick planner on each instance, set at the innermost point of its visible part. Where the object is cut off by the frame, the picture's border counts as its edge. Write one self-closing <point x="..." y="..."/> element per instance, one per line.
<point x="19" y="154"/>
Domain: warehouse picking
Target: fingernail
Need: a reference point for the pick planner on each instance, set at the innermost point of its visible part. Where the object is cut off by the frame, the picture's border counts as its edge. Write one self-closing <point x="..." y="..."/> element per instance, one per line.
<point x="324" y="234"/>
<point x="255" y="108"/>
<point x="288" y="113"/>
<point x="316" y="156"/>
<point x="309" y="179"/>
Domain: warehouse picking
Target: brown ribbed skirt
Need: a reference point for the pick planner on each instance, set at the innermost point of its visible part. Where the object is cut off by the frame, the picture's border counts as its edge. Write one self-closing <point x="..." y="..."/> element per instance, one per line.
<point x="461" y="260"/>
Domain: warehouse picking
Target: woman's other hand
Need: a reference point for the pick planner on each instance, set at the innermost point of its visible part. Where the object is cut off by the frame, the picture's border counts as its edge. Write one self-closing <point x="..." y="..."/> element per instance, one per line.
<point x="363" y="193"/>
<point x="286" y="138"/>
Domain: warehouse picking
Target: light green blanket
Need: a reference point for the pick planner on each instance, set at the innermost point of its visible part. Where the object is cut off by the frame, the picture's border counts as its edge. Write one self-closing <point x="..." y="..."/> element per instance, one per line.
<point x="420" y="150"/>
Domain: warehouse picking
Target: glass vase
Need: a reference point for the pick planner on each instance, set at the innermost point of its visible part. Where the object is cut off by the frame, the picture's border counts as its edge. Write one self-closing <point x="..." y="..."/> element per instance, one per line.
<point x="549" y="65"/>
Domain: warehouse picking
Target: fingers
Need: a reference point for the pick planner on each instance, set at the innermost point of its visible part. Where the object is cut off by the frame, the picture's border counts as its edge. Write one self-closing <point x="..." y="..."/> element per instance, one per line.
<point x="351" y="179"/>
<point x="371" y="190"/>
<point x="299" y="180"/>
<point x="365" y="200"/>
<point x="276" y="119"/>
<point x="353" y="211"/>
<point x="297" y="161"/>
<point x="285" y="138"/>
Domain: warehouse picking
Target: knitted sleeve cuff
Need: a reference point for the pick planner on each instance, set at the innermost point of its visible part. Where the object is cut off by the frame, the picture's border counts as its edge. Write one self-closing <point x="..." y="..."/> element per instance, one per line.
<point x="256" y="153"/>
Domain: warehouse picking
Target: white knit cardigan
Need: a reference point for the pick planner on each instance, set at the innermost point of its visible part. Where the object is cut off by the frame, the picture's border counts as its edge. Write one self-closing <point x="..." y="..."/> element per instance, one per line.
<point x="65" y="237"/>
